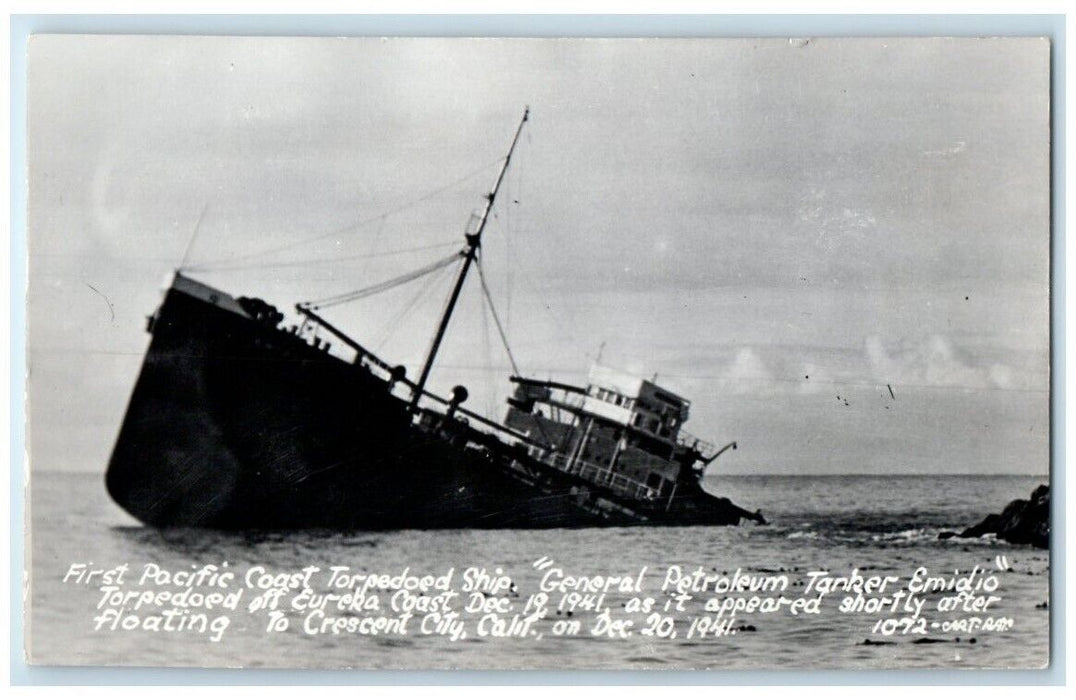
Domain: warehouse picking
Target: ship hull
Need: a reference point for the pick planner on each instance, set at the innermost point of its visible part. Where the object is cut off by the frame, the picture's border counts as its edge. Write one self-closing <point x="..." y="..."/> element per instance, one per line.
<point x="235" y="424"/>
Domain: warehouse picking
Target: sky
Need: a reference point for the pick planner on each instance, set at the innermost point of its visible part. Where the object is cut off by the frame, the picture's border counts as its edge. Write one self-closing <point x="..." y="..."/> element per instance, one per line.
<point x="838" y="249"/>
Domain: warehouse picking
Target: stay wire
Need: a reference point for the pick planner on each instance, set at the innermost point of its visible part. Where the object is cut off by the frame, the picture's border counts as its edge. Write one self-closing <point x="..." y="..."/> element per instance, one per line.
<point x="496" y="318"/>
<point x="316" y="261"/>
<point x="363" y="222"/>
<point x="383" y="286"/>
<point x="395" y="324"/>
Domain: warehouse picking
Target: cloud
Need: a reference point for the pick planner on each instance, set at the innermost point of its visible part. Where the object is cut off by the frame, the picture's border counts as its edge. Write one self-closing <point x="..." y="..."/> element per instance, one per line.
<point x="747" y="373"/>
<point x="933" y="361"/>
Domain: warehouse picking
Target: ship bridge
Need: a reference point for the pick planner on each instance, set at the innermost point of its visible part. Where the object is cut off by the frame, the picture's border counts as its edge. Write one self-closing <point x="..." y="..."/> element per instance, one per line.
<point x="634" y="402"/>
<point x="618" y="428"/>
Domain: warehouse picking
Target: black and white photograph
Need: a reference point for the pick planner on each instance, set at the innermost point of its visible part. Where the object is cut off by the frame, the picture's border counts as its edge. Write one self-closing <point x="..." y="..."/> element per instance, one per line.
<point x="549" y="353"/>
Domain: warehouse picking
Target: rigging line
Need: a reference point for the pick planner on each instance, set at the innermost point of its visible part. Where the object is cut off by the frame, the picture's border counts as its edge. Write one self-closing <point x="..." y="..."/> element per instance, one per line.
<point x="504" y="227"/>
<point x="394" y="325"/>
<point x="382" y="286"/>
<point x="524" y="282"/>
<point x="362" y="222"/>
<point x="504" y="339"/>
<point x="496" y="319"/>
<point x="375" y="240"/>
<point x="194" y="234"/>
<point x="314" y="261"/>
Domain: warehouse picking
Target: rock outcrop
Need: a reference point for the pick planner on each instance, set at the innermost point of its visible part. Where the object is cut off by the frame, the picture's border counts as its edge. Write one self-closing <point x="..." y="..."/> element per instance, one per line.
<point x="1022" y="522"/>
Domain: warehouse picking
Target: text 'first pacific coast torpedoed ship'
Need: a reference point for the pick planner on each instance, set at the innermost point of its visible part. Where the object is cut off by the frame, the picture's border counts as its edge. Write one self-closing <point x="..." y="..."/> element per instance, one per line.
<point x="237" y="421"/>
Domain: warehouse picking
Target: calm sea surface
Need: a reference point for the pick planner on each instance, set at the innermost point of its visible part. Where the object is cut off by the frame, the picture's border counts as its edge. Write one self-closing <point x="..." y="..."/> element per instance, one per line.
<point x="882" y="525"/>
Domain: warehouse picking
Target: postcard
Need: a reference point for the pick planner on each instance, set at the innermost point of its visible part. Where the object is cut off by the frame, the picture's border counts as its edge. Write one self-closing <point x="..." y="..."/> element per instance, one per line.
<point x="364" y="353"/>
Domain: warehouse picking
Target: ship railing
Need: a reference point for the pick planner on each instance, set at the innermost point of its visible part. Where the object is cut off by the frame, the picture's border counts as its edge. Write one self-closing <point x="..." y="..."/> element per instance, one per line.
<point x="457" y="415"/>
<point x="703" y="447"/>
<point x="565" y="399"/>
<point x="574" y="401"/>
<point x="602" y="476"/>
<point x="397" y="379"/>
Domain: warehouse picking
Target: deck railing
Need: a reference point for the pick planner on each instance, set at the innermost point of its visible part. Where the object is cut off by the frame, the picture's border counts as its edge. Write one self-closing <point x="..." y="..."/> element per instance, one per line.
<point x="703" y="447"/>
<point x="574" y="402"/>
<point x="601" y="476"/>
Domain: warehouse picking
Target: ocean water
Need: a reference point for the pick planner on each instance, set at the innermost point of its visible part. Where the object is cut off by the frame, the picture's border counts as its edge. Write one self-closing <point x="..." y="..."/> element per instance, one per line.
<point x="879" y="525"/>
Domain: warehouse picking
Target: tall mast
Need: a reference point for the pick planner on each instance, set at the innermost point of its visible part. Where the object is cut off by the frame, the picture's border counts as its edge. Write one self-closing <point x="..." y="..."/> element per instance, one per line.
<point x="474" y="240"/>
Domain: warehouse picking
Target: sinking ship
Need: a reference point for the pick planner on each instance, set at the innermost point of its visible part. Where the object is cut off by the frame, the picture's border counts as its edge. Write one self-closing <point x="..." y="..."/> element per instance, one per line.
<point x="241" y="421"/>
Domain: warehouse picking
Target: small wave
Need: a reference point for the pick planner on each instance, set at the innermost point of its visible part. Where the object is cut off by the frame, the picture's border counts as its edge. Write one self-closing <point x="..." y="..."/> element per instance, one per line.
<point x="914" y="535"/>
<point x="394" y="642"/>
<point x="897" y="537"/>
<point x="646" y="660"/>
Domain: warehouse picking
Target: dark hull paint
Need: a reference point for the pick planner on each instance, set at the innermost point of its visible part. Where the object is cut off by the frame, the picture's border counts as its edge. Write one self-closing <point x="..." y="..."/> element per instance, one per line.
<point x="234" y="424"/>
